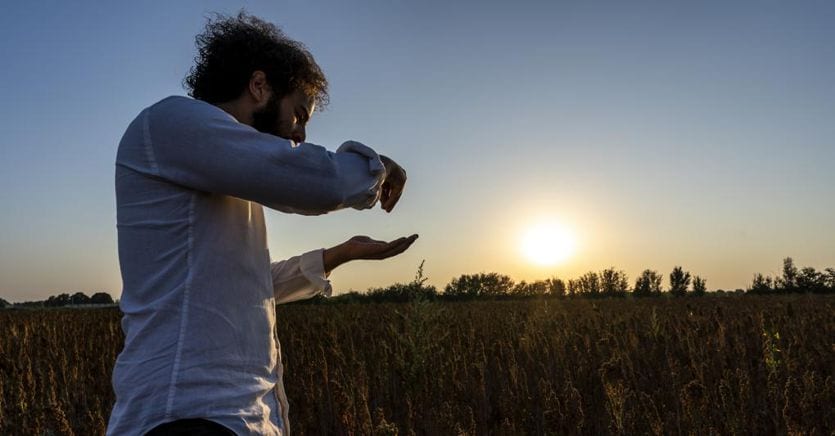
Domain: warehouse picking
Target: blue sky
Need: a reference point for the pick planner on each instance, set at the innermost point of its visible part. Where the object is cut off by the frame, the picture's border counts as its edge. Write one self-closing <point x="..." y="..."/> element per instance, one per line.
<point x="662" y="133"/>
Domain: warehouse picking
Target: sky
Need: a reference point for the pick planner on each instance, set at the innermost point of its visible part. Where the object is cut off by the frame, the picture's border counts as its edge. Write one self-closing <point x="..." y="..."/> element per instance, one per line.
<point x="659" y="133"/>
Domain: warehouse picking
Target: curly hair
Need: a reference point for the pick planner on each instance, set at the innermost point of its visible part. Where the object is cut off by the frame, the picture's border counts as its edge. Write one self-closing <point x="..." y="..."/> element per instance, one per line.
<point x="230" y="49"/>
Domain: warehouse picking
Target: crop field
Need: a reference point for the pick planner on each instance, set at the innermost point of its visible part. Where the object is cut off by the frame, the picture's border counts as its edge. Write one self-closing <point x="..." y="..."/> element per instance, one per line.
<point x="711" y="365"/>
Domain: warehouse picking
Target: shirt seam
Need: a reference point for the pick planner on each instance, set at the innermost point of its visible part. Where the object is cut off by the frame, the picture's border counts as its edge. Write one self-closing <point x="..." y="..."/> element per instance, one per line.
<point x="278" y="391"/>
<point x="183" y="314"/>
<point x="146" y="136"/>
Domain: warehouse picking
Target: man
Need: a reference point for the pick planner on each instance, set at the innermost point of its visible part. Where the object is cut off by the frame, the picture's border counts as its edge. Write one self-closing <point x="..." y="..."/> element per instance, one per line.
<point x="199" y="291"/>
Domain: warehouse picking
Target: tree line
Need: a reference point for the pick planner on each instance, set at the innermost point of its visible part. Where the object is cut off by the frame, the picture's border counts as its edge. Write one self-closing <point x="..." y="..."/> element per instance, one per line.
<point x="65" y="299"/>
<point x="794" y="280"/>
<point x="609" y="282"/>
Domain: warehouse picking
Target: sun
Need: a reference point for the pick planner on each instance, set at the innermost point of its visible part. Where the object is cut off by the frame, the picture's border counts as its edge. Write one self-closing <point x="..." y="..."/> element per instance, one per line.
<point x="548" y="243"/>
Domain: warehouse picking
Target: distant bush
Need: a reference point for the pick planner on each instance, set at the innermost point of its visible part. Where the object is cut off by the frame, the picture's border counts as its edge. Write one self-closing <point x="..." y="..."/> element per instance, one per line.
<point x="480" y="285"/>
<point x="679" y="281"/>
<point x="65" y="299"/>
<point x="101" y="298"/>
<point x="794" y="280"/>
<point x="648" y="284"/>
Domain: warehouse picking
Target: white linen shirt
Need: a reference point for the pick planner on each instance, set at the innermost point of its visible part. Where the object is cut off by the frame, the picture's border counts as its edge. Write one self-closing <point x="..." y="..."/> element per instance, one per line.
<point x="199" y="289"/>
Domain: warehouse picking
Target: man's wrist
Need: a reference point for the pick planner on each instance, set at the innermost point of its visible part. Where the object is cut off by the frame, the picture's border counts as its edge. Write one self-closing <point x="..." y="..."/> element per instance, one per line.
<point x="333" y="257"/>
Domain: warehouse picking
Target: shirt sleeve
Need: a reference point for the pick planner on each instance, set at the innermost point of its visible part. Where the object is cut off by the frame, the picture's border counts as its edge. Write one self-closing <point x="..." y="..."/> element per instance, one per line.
<point x="300" y="277"/>
<point x="200" y="146"/>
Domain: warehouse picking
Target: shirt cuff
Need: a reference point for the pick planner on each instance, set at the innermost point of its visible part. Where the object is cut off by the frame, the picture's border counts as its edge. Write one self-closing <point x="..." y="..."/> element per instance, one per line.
<point x="312" y="265"/>
<point x="375" y="167"/>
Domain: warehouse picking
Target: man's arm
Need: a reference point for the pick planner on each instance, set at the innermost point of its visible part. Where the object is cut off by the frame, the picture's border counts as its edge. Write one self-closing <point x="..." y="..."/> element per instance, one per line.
<point x="200" y="146"/>
<point x="300" y="277"/>
<point x="305" y="276"/>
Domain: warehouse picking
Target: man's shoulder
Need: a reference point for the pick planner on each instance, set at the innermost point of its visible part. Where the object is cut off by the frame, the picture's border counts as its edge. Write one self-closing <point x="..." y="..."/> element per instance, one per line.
<point x="181" y="102"/>
<point x="178" y="111"/>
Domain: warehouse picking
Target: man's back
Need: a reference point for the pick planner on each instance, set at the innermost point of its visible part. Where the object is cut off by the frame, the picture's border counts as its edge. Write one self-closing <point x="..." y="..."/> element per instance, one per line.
<point x="198" y="299"/>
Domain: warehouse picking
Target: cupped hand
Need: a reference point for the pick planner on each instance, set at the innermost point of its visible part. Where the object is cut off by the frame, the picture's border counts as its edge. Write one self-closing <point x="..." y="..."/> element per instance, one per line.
<point x="363" y="247"/>
<point x="393" y="185"/>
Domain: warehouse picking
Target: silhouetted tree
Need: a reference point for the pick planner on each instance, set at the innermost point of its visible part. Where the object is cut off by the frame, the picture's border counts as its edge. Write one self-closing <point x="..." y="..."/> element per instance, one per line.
<point x="58" y="300"/>
<point x="589" y="284"/>
<point x="788" y="282"/>
<point x="4" y="303"/>
<point x="480" y="285"/>
<point x="830" y="279"/>
<point x="810" y="280"/>
<point x="79" y="298"/>
<point x="761" y="284"/>
<point x="556" y="287"/>
<point x="101" y="298"/>
<point x="573" y="287"/>
<point x="539" y="287"/>
<point x="699" y="286"/>
<point x="679" y="281"/>
<point x="613" y="282"/>
<point x="649" y="283"/>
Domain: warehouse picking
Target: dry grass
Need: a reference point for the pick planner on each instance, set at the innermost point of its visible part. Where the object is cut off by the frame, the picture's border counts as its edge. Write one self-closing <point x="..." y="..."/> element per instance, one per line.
<point x="733" y="365"/>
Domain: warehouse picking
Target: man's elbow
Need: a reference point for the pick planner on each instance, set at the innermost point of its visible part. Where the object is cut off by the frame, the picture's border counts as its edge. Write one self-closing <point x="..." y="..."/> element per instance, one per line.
<point x="321" y="203"/>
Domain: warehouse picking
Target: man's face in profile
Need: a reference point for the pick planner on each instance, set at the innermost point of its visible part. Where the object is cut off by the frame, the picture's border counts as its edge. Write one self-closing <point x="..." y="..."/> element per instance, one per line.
<point x="285" y="117"/>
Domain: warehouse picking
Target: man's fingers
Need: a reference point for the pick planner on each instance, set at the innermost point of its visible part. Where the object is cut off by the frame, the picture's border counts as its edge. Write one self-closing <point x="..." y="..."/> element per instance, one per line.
<point x="398" y="243"/>
<point x="394" y="199"/>
<point x="364" y="247"/>
<point x="394" y="251"/>
<point x="385" y="193"/>
<point x="387" y="197"/>
<point x="392" y="189"/>
<point x="398" y="246"/>
<point x="404" y="239"/>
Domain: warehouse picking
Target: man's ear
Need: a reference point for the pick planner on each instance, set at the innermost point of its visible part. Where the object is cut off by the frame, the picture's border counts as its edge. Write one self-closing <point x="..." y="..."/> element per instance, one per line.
<point x="259" y="89"/>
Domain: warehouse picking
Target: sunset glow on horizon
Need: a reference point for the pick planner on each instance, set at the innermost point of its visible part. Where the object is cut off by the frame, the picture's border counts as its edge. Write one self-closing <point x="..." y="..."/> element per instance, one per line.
<point x="540" y="139"/>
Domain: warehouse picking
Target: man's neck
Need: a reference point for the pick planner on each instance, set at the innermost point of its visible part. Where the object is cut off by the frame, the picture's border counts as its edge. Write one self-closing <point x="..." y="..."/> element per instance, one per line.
<point x="239" y="110"/>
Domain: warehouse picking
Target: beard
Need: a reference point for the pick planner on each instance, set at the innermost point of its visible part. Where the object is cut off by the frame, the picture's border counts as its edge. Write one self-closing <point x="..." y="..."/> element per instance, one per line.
<point x="266" y="120"/>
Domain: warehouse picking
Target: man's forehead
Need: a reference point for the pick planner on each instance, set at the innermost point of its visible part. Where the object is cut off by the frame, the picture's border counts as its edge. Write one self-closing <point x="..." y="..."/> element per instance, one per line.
<point x="307" y="102"/>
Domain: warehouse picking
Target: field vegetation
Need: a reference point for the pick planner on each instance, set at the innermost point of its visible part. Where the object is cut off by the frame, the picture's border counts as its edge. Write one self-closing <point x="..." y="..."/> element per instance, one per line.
<point x="732" y="364"/>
